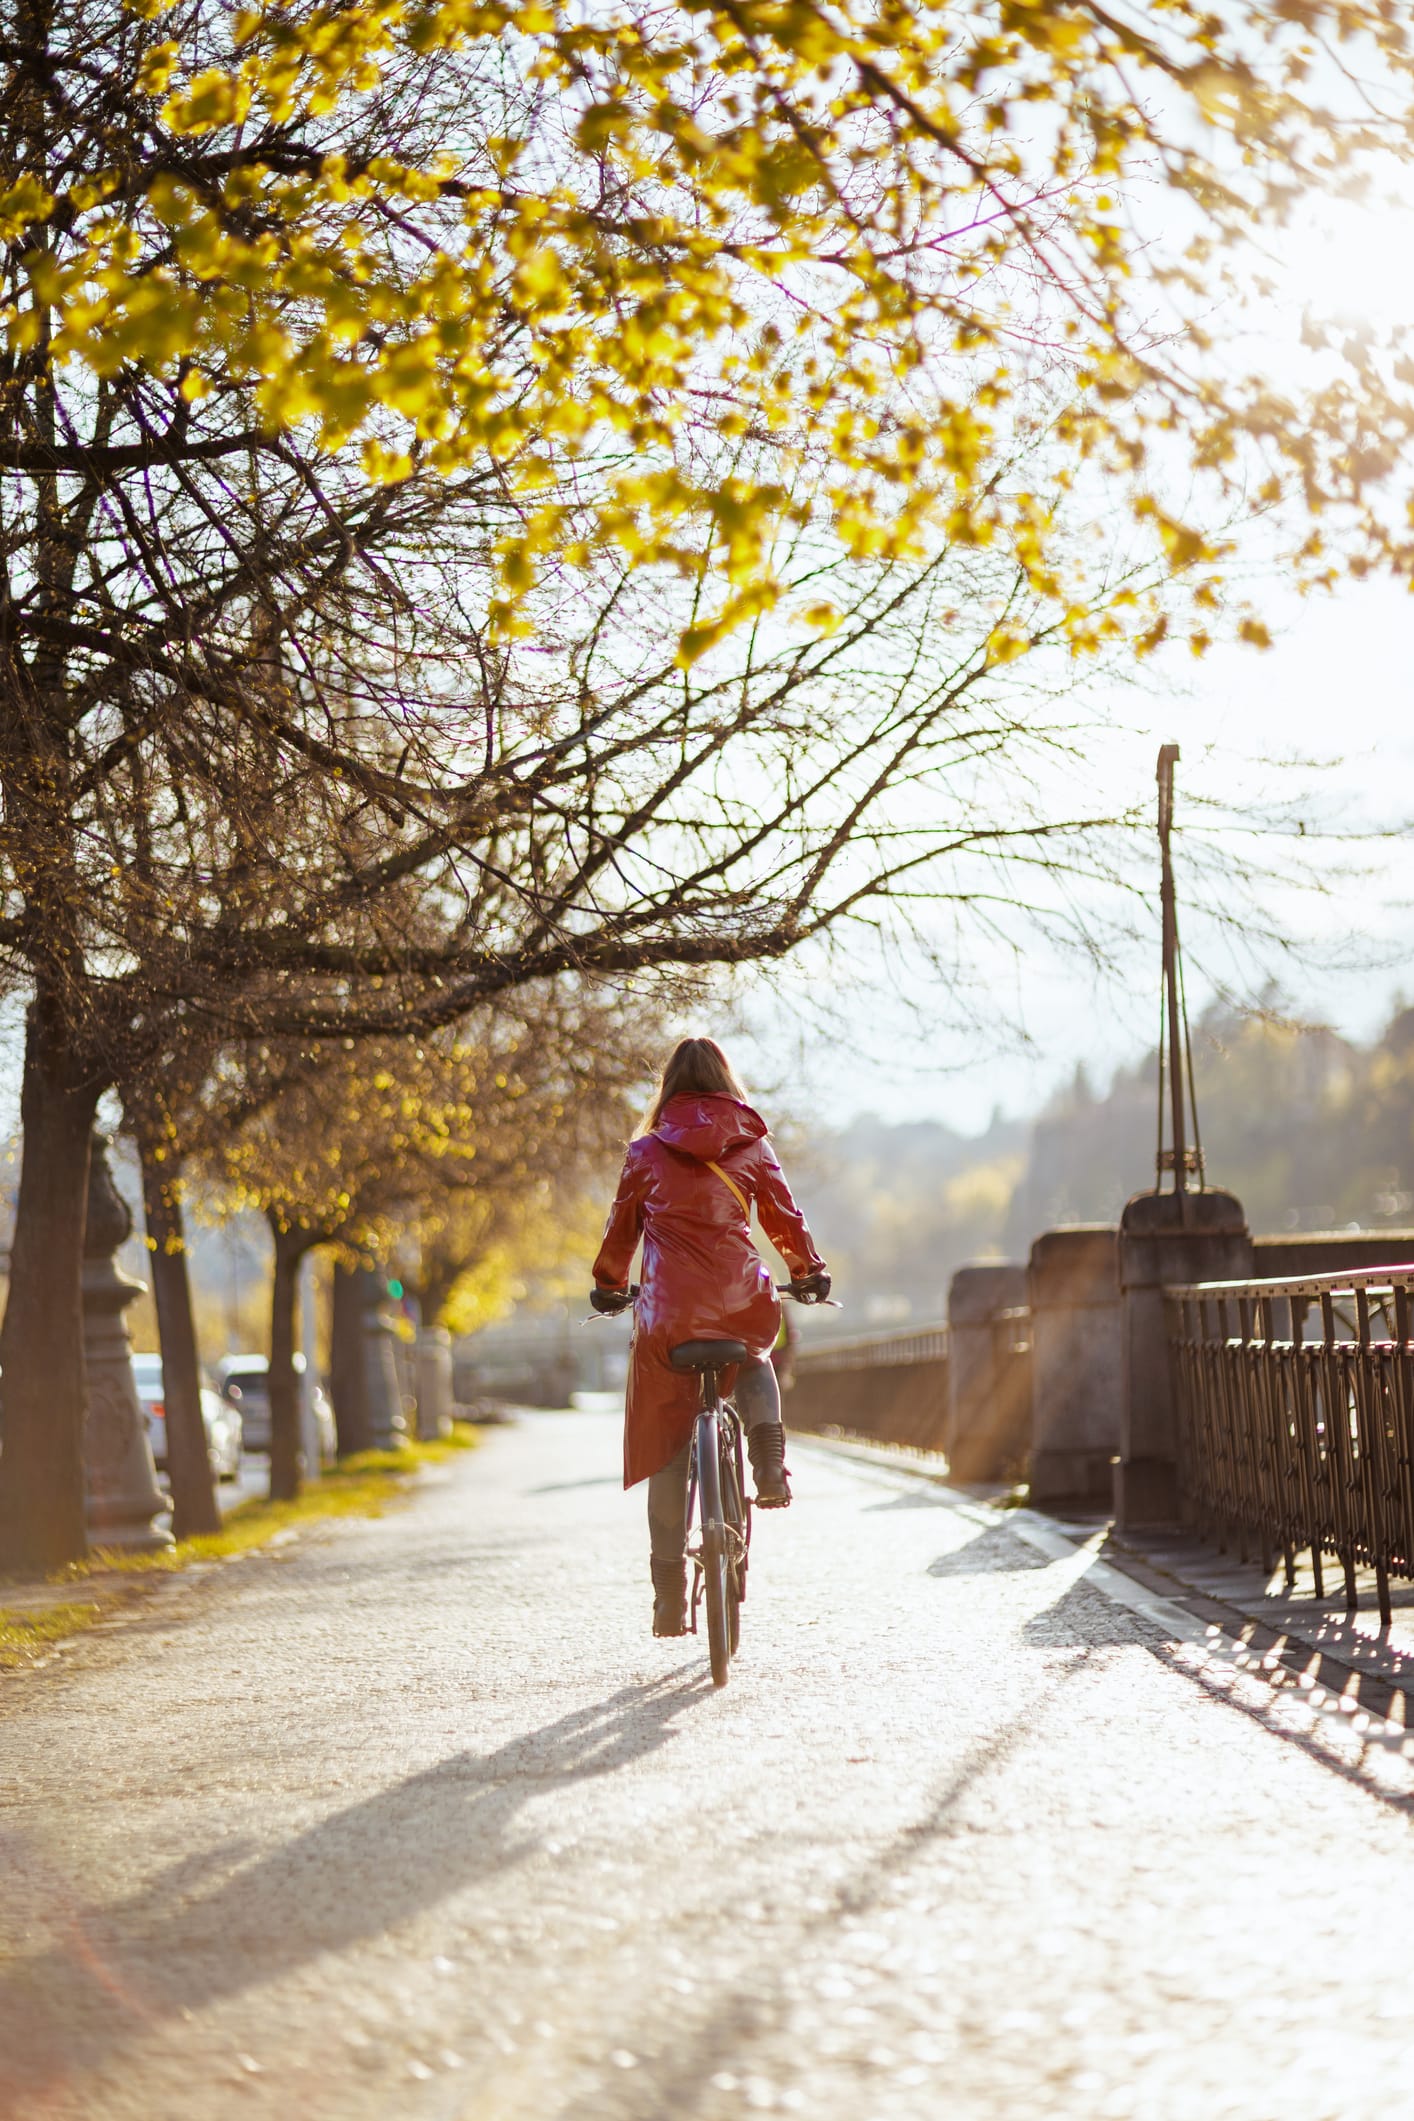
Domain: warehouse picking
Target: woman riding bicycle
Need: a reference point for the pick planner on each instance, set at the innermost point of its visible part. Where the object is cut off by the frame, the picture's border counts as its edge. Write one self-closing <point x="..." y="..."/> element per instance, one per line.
<point x="687" y="1189"/>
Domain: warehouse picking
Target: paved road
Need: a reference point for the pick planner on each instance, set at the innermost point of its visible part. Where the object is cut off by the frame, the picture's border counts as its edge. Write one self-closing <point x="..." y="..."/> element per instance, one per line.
<point x="414" y="1818"/>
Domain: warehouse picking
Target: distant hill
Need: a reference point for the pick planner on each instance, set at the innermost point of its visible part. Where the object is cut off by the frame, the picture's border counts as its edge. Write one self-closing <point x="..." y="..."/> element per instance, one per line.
<point x="896" y="1207"/>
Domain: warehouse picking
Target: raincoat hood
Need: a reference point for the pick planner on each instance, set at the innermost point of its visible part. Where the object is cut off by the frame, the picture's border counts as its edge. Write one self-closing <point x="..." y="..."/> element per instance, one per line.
<point x="706" y="1125"/>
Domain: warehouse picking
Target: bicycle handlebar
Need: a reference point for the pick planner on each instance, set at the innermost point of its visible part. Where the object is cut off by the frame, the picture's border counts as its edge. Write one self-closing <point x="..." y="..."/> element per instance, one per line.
<point x="627" y="1297"/>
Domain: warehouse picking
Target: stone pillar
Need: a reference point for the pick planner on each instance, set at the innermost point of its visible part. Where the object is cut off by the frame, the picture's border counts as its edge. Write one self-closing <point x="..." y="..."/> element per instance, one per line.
<point x="1164" y="1239"/>
<point x="1077" y="1356"/>
<point x="975" y="1439"/>
<point x="123" y="1496"/>
<point x="387" y="1429"/>
<point x="434" y="1383"/>
<point x="307" y="1364"/>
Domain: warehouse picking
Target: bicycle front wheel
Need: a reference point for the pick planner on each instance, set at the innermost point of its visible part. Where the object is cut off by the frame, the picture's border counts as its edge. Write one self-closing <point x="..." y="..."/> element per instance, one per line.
<point x="735" y="1534"/>
<point x="715" y="1567"/>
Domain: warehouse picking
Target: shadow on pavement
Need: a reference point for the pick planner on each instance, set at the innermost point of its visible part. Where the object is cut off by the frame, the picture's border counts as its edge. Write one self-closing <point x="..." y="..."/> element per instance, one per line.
<point x="677" y="2081"/>
<point x="996" y="1551"/>
<point x="112" y="1973"/>
<point x="1084" y="1617"/>
<point x="911" y="1499"/>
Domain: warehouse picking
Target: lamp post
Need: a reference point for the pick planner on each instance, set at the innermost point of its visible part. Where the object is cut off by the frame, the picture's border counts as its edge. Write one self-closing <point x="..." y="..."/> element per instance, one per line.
<point x="1188" y="1232"/>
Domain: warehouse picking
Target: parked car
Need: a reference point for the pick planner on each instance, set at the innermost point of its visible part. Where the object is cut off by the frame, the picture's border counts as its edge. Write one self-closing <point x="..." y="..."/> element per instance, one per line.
<point x="221" y="1422"/>
<point x="244" y="1383"/>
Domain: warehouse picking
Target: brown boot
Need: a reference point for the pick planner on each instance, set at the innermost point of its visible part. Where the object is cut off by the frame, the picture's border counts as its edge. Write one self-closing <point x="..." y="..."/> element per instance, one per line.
<point x="766" y="1446"/>
<point x="669" y="1597"/>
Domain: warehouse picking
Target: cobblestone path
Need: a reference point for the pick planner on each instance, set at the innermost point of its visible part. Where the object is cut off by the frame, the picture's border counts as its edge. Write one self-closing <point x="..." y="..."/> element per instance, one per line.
<point x="414" y="1819"/>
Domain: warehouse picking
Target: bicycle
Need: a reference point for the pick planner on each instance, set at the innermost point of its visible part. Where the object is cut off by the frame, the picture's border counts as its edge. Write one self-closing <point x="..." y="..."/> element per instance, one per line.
<point x="716" y="1479"/>
<point x="716" y="1490"/>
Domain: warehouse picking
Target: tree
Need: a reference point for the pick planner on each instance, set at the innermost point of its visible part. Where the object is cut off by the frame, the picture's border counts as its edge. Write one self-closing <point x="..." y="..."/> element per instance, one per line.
<point x="351" y="350"/>
<point x="298" y="840"/>
<point x="458" y="1140"/>
<point x="496" y="235"/>
<point x="189" y="1473"/>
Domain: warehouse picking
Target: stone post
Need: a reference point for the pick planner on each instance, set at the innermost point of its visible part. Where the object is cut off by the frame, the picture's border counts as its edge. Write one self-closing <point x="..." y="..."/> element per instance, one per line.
<point x="1164" y="1239"/>
<point x="307" y="1340"/>
<point x="1077" y="1356"/>
<point x="975" y="1442"/>
<point x="434" y="1383"/>
<point x="387" y="1429"/>
<point x="124" y="1499"/>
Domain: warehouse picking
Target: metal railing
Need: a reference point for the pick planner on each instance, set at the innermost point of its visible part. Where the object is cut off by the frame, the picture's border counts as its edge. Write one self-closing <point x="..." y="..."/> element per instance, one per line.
<point x="1295" y="1417"/>
<point x="892" y="1387"/>
<point x="876" y="1350"/>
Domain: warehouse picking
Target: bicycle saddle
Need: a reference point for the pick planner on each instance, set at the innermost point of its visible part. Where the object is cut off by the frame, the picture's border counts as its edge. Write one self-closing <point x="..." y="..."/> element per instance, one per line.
<point x="706" y="1354"/>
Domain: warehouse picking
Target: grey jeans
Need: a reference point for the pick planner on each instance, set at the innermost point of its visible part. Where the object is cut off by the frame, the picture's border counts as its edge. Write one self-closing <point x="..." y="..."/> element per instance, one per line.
<point x="758" y="1399"/>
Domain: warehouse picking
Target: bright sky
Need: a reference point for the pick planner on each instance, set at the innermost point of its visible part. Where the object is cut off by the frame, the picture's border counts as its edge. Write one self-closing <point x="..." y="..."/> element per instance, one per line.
<point x="1337" y="685"/>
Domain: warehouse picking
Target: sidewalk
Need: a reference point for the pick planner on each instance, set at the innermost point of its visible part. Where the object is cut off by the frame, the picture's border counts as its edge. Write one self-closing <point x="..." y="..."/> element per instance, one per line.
<point x="56" y="1608"/>
<point x="1346" y="1656"/>
<point x="413" y="1827"/>
<point x="37" y="1618"/>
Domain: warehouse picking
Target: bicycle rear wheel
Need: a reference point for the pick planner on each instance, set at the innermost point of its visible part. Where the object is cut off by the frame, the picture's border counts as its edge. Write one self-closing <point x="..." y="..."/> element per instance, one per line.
<point x="715" y="1567"/>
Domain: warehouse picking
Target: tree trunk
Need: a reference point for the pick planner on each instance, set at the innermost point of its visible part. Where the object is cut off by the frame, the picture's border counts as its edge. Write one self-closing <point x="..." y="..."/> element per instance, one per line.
<point x="348" y="1363"/>
<point x="290" y="1248"/>
<point x="194" y="1505"/>
<point x="434" y="1292"/>
<point x="42" y="1517"/>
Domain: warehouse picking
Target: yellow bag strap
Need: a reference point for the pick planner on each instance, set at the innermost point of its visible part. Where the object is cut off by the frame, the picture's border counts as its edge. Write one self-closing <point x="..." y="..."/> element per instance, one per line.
<point x="732" y="1187"/>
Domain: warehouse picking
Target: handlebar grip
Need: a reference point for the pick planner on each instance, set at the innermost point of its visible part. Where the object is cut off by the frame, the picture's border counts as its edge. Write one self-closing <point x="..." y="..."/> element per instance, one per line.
<point x="800" y="1291"/>
<point x="612" y="1303"/>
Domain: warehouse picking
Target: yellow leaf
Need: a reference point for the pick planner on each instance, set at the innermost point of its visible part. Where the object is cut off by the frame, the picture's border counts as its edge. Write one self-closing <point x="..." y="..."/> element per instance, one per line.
<point x="385" y="467"/>
<point x="159" y="64"/>
<point x="25" y="203"/>
<point x="211" y="100"/>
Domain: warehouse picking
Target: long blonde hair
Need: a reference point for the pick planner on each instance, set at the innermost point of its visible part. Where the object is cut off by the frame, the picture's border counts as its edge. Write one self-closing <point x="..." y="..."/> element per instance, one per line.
<point x="695" y="1064"/>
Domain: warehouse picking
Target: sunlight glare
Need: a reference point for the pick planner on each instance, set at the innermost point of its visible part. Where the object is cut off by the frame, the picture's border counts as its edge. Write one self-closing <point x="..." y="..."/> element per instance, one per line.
<point x="1351" y="262"/>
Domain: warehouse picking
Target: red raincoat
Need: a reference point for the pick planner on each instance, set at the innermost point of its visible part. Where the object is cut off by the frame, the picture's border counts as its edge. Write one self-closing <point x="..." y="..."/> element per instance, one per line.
<point x="702" y="1278"/>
